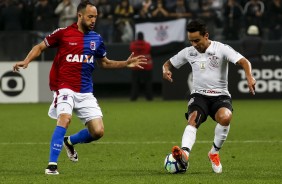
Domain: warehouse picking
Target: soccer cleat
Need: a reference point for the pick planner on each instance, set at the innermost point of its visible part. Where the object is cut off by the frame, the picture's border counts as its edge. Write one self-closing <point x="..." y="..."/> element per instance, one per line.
<point x="72" y="154"/>
<point x="181" y="157"/>
<point x="52" y="170"/>
<point x="215" y="161"/>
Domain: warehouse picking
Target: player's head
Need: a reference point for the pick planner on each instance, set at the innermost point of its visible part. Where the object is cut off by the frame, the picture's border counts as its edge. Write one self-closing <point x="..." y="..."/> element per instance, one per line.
<point x="140" y="36"/>
<point x="86" y="15"/>
<point x="198" y="35"/>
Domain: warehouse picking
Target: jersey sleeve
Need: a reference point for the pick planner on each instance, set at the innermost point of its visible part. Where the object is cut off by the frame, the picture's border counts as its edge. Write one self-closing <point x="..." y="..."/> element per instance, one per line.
<point x="179" y="59"/>
<point x="230" y="54"/>
<point x="53" y="39"/>
<point x="101" y="51"/>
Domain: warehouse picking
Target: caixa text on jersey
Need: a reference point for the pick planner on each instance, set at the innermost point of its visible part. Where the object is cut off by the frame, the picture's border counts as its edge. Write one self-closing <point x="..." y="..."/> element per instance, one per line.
<point x="80" y="58"/>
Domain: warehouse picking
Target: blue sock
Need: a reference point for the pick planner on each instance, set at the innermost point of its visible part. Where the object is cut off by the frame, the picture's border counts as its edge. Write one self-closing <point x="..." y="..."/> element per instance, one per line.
<point x="82" y="136"/>
<point x="57" y="143"/>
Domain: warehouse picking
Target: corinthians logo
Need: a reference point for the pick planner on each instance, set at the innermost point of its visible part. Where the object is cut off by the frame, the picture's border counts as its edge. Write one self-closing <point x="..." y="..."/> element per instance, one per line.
<point x="161" y="32"/>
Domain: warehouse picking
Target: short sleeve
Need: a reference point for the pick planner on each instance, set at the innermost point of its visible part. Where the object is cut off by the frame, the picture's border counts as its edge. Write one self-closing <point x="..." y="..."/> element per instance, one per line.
<point x="179" y="59"/>
<point x="53" y="39"/>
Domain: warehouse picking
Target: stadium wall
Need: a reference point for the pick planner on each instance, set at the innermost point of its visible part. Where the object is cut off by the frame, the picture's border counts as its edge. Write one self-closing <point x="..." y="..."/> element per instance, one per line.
<point x="31" y="85"/>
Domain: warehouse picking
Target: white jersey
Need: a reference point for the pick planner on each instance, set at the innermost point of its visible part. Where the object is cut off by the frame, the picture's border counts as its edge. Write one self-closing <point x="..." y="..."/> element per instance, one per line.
<point x="210" y="69"/>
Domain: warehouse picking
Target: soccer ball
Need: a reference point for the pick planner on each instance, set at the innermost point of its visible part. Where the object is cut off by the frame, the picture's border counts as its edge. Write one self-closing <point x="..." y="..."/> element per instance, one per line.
<point x="171" y="165"/>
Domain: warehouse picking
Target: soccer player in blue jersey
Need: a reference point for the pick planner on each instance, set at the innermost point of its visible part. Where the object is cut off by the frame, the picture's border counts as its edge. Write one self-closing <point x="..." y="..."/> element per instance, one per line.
<point x="78" y="47"/>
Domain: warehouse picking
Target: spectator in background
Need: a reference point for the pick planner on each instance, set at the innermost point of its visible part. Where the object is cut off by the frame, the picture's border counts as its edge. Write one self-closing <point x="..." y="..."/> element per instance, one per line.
<point x="11" y="19"/>
<point x="144" y="76"/>
<point x="136" y="4"/>
<point x="251" y="44"/>
<point x="43" y="17"/>
<point x="127" y="31"/>
<point x="145" y="11"/>
<point x="28" y="8"/>
<point x="254" y="12"/>
<point x="274" y="15"/>
<point x="123" y="13"/>
<point x="75" y="2"/>
<point x="208" y="14"/>
<point x="195" y="7"/>
<point x="12" y="16"/>
<point x="180" y="10"/>
<point x="169" y="5"/>
<point x="66" y="12"/>
<point x="105" y="20"/>
<point x="233" y="14"/>
<point x="159" y="9"/>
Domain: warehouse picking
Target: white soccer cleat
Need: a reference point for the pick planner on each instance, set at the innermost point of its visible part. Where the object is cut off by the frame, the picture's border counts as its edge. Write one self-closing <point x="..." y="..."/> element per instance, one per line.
<point x="72" y="154"/>
<point x="215" y="161"/>
<point x="52" y="170"/>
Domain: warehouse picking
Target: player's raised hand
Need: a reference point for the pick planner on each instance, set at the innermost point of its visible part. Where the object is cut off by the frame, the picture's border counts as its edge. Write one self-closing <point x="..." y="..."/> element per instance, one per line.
<point x="18" y="65"/>
<point x="136" y="61"/>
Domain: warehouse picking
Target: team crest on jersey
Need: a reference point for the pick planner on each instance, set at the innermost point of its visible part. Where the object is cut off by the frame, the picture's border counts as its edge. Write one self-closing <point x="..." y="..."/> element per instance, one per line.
<point x="161" y="32"/>
<point x="92" y="45"/>
<point x="65" y="97"/>
<point x="214" y="61"/>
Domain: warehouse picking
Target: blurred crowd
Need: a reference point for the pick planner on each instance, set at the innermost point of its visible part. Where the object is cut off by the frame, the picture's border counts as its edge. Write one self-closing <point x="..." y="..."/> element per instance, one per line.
<point x="226" y="19"/>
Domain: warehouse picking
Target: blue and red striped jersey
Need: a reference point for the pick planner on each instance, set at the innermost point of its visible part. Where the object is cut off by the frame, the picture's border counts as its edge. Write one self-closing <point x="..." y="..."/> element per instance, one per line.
<point x="74" y="62"/>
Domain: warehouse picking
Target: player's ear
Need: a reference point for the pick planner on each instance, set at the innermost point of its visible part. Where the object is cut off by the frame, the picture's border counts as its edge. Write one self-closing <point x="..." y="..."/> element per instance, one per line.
<point x="207" y="35"/>
<point x="79" y="15"/>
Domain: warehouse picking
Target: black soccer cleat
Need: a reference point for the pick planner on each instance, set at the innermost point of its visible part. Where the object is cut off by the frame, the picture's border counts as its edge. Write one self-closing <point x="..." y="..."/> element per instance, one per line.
<point x="72" y="154"/>
<point x="52" y="170"/>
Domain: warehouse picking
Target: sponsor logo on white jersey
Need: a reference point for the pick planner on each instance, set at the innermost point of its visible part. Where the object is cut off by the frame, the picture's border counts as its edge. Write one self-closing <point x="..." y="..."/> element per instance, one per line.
<point x="80" y="58"/>
<point x="207" y="91"/>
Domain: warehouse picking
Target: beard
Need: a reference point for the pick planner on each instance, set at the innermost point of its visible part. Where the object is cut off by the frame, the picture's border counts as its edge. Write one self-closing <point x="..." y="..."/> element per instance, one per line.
<point x="86" y="27"/>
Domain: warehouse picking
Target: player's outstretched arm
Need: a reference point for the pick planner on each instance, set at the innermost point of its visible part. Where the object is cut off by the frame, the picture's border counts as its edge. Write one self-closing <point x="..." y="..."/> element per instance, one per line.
<point x="131" y="62"/>
<point x="34" y="53"/>
<point x="166" y="71"/>
<point x="246" y="65"/>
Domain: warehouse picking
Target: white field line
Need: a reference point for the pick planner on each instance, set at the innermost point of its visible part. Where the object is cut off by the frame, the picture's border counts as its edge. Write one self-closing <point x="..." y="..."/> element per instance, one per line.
<point x="151" y="142"/>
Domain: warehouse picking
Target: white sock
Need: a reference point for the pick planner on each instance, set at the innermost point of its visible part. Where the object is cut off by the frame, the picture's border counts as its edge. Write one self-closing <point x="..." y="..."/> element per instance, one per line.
<point x="220" y="135"/>
<point x="189" y="137"/>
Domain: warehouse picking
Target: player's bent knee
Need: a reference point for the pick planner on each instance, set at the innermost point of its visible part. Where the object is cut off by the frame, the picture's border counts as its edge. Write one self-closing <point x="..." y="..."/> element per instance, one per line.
<point x="96" y="130"/>
<point x="98" y="133"/>
<point x="224" y="116"/>
<point x="64" y="120"/>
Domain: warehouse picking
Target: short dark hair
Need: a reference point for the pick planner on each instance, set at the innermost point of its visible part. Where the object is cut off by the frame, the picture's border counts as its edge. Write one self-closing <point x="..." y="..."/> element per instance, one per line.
<point x="83" y="3"/>
<point x="197" y="25"/>
<point x="140" y="36"/>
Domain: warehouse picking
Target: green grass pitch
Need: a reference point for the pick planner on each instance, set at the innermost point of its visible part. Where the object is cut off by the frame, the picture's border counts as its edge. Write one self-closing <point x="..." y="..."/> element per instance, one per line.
<point x="138" y="135"/>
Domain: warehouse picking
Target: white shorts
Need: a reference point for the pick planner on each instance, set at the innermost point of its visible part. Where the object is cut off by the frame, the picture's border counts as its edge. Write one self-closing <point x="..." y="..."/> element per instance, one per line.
<point x="85" y="105"/>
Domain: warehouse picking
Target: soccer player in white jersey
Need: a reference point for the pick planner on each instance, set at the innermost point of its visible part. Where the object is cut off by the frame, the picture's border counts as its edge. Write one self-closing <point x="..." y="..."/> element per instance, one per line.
<point x="209" y="96"/>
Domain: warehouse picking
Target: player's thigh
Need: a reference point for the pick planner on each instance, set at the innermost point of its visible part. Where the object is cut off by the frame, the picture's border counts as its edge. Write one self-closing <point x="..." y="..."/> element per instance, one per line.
<point x="198" y="107"/>
<point x="87" y="107"/>
<point x="221" y="110"/>
<point x="63" y="103"/>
